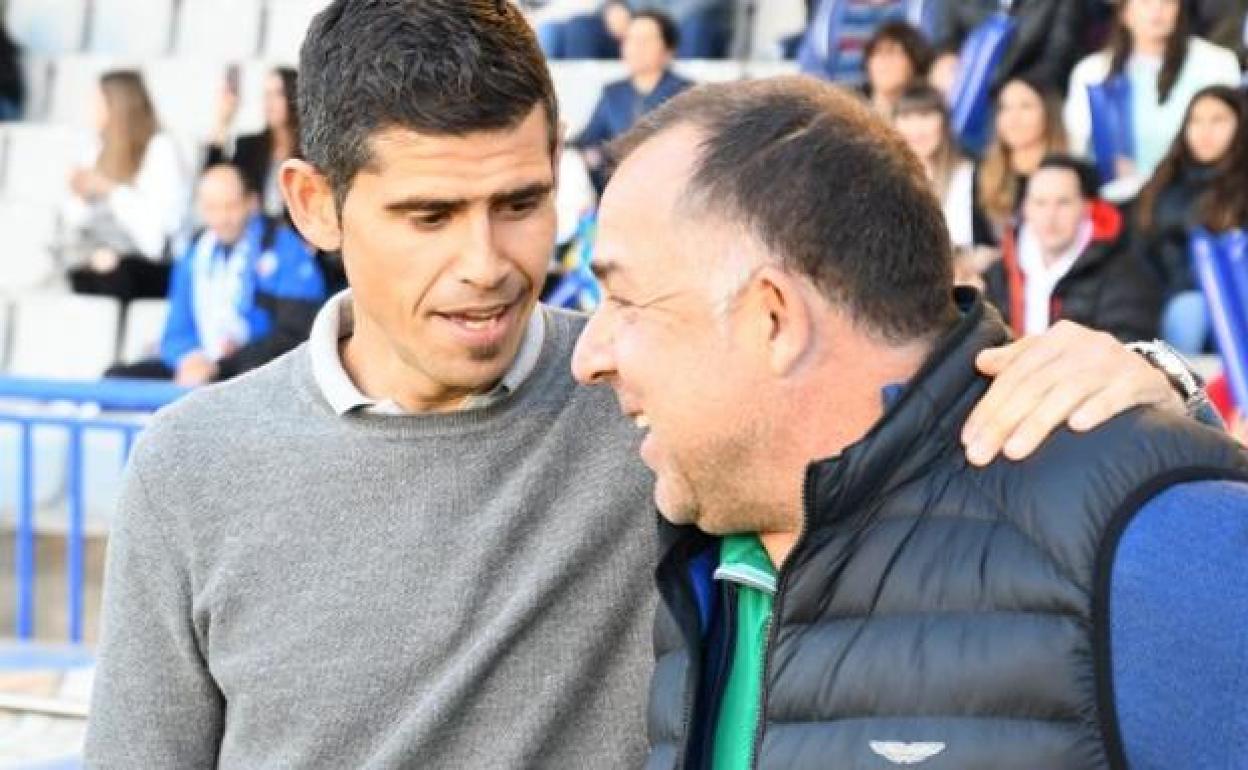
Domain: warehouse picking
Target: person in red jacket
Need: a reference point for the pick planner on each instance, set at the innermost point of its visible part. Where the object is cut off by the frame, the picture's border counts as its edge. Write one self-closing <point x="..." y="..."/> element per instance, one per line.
<point x="1066" y="260"/>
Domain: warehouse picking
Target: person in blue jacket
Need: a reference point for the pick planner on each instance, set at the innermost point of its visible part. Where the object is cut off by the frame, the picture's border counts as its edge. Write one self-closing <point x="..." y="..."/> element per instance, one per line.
<point x="244" y="292"/>
<point x="648" y="49"/>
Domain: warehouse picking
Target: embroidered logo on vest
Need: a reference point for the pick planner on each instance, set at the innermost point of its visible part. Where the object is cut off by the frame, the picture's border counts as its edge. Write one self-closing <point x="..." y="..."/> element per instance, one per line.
<point x="900" y="753"/>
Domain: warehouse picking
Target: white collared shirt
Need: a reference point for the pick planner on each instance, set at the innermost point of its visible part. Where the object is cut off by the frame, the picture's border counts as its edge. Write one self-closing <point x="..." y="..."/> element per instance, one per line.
<point x="1041" y="278"/>
<point x="336" y="321"/>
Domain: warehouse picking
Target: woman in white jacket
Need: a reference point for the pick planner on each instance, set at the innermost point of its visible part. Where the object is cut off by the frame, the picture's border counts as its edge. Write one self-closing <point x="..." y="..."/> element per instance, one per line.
<point x="922" y="119"/>
<point x="128" y="197"/>
<point x="1164" y="67"/>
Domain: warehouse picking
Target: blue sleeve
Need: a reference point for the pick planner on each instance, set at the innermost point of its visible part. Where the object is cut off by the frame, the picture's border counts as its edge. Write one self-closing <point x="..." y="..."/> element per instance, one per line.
<point x="181" y="336"/>
<point x="297" y="275"/>
<point x="598" y="129"/>
<point x="1179" y="629"/>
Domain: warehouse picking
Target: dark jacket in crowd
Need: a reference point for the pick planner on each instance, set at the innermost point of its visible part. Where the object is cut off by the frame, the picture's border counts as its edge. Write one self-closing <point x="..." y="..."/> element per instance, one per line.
<point x="931" y="601"/>
<point x="1107" y="288"/>
<point x="12" y="84"/>
<point x="1046" y="42"/>
<point x="253" y="154"/>
<point x="1164" y="246"/>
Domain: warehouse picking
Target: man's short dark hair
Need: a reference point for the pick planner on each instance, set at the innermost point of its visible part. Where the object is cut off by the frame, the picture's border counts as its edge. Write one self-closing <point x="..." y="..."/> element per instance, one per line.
<point x="827" y="187"/>
<point x="666" y="24"/>
<point x="1085" y="173"/>
<point x="440" y="67"/>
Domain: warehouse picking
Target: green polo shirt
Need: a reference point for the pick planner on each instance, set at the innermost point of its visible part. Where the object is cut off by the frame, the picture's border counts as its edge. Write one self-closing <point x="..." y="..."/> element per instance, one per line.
<point x="744" y="561"/>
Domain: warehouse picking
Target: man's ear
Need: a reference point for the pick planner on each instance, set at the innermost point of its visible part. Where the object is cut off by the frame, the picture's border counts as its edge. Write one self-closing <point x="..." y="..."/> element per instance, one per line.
<point x="310" y="200"/>
<point x="787" y="318"/>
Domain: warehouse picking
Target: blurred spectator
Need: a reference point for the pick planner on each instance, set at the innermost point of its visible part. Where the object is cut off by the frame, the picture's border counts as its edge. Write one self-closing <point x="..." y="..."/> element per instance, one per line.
<point x="835" y="43"/>
<point x="581" y="29"/>
<point x="12" y="84"/>
<point x="128" y="197"/>
<point x="1151" y="47"/>
<point x="895" y="56"/>
<point x="1067" y="260"/>
<point x="943" y="74"/>
<point x="705" y="25"/>
<point x="1028" y="127"/>
<point x="259" y="155"/>
<point x="649" y="46"/>
<point x="1044" y="46"/>
<point x="1211" y="16"/>
<point x="1201" y="181"/>
<point x="1229" y="29"/>
<point x="245" y="291"/>
<point x="923" y="121"/>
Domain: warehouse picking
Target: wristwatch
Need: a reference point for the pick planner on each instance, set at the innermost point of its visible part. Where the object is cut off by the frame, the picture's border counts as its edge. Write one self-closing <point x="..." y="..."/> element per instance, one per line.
<point x="1185" y="381"/>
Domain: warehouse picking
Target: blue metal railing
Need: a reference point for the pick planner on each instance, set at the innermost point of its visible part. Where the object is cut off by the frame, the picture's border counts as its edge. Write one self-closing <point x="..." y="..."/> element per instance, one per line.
<point x="16" y="397"/>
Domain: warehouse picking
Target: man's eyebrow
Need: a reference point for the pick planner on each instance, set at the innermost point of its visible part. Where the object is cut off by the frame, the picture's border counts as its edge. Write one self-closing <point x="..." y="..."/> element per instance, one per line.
<point x="521" y="194"/>
<point x="425" y="205"/>
<point x="418" y="204"/>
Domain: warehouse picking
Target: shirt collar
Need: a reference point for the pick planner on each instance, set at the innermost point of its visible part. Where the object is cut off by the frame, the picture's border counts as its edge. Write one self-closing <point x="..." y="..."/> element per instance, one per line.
<point x="744" y="560"/>
<point x="336" y="321"/>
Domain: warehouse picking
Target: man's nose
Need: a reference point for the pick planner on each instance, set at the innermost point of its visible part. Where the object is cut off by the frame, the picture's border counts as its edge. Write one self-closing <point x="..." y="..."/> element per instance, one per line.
<point x="592" y="361"/>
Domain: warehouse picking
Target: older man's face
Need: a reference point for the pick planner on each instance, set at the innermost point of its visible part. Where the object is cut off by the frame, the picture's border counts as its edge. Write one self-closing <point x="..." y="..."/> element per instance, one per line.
<point x="663" y="339"/>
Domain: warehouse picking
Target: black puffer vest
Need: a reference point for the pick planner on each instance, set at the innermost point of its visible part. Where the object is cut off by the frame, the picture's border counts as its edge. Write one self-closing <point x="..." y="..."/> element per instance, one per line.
<point x="959" y="610"/>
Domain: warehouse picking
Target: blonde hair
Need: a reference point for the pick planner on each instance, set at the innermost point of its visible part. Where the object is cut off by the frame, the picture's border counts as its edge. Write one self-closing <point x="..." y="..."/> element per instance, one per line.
<point x="130" y="126"/>
<point x="997" y="180"/>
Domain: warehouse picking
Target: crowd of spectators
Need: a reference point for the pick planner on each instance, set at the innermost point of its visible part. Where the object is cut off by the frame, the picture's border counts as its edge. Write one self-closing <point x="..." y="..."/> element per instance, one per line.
<point x="1132" y="113"/>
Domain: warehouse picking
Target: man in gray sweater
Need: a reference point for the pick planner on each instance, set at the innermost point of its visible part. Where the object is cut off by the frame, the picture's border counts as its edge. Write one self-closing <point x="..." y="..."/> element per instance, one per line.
<point x="414" y="541"/>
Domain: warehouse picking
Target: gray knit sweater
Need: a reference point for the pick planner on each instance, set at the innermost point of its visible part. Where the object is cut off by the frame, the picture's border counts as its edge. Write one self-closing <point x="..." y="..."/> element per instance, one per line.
<point x="287" y="588"/>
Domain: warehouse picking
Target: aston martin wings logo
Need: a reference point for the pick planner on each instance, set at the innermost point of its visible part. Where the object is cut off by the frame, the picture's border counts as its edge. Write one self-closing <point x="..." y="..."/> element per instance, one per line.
<point x="900" y="753"/>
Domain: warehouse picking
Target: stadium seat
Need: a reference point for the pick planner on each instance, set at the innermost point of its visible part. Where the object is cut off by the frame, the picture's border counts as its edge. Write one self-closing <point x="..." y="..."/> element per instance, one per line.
<point x="710" y="70"/>
<point x="782" y="19"/>
<point x="75" y="83"/>
<point x="184" y="94"/>
<point x="38" y="161"/>
<point x="47" y="27"/>
<point x="26" y="259"/>
<point x="64" y="336"/>
<point x="145" y="323"/>
<point x="286" y="24"/>
<point x="578" y="85"/>
<point x="227" y="30"/>
<point x="132" y="28"/>
<point x="37" y="73"/>
<point x="6" y="313"/>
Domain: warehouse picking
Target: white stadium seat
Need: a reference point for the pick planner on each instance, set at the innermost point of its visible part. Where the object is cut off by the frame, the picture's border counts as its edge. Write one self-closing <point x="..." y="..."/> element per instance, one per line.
<point x="131" y="28"/>
<point x="75" y="84"/>
<point x="578" y="84"/>
<point x="184" y="93"/>
<point x="64" y="336"/>
<point x="26" y="260"/>
<point x="6" y="326"/>
<point x="38" y="161"/>
<point x="286" y="24"/>
<point x="37" y="74"/>
<point x="47" y="27"/>
<point x="228" y="30"/>
<point x="145" y="324"/>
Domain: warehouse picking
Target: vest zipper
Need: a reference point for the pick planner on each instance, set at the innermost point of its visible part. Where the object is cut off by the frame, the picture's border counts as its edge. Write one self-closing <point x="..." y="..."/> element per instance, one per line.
<point x="770" y="632"/>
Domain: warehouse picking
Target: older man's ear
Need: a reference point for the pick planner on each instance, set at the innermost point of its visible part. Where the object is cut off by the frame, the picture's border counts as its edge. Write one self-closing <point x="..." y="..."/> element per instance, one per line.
<point x="782" y="318"/>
